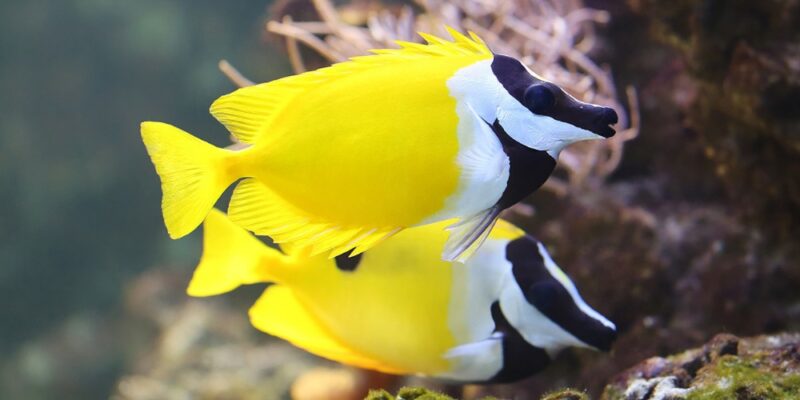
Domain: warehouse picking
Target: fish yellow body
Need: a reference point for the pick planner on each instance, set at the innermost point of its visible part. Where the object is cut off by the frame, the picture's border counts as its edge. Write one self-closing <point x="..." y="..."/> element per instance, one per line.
<point x="387" y="133"/>
<point x="400" y="309"/>
<point x="343" y="157"/>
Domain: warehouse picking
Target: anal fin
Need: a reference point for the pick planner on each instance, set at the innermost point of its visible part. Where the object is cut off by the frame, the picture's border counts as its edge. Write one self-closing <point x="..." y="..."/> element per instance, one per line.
<point x="467" y="235"/>
<point x="278" y="312"/>
<point x="477" y="361"/>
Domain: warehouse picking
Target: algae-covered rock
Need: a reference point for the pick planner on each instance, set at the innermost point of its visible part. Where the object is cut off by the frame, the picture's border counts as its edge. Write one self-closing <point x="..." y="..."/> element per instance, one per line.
<point x="727" y="367"/>
<point x="408" y="393"/>
<point x="566" y="394"/>
<point x="418" y="393"/>
<point x="745" y="61"/>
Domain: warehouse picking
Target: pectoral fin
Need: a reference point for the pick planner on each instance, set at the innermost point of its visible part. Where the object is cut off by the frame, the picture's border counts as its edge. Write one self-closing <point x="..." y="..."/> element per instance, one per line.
<point x="468" y="234"/>
<point x="476" y="361"/>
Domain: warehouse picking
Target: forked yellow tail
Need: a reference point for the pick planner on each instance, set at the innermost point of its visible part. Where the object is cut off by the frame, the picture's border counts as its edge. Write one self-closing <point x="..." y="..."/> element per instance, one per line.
<point x="193" y="175"/>
<point x="233" y="257"/>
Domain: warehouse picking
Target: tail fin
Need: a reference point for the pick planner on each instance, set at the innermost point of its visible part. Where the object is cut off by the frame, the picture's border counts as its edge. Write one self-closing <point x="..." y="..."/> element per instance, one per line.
<point x="232" y="257"/>
<point x="193" y="175"/>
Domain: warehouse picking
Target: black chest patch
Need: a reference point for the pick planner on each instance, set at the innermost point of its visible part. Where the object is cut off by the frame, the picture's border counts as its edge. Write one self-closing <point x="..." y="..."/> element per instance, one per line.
<point x="520" y="358"/>
<point x="346" y="263"/>
<point x="529" y="168"/>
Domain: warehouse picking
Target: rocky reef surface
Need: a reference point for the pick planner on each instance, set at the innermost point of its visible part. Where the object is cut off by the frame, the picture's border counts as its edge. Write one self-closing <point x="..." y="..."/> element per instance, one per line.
<point x="727" y="367"/>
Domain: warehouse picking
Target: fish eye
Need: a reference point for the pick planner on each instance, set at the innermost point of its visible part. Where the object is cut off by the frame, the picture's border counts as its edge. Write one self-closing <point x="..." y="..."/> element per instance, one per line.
<point x="539" y="98"/>
<point x="543" y="295"/>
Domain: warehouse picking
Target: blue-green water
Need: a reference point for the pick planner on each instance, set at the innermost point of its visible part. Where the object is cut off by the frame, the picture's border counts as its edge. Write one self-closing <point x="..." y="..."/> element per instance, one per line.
<point x="80" y="200"/>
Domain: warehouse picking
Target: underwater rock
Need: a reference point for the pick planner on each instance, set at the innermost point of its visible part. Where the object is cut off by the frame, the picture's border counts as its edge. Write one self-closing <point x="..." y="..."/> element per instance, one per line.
<point x="408" y="393"/>
<point x="412" y="393"/>
<point x="661" y="248"/>
<point x="566" y="394"/>
<point x="418" y="393"/>
<point x="744" y="59"/>
<point x="727" y="367"/>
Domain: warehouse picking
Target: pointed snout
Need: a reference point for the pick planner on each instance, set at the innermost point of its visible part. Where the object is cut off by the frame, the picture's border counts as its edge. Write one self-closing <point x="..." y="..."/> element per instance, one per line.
<point x="603" y="119"/>
<point x="603" y="338"/>
<point x="594" y="118"/>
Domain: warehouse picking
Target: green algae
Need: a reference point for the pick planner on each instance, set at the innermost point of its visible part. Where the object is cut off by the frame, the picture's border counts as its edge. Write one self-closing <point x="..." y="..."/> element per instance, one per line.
<point x="736" y="378"/>
<point x="566" y="394"/>
<point x="418" y="393"/>
<point x="727" y="367"/>
<point x="407" y="393"/>
<point x="740" y="54"/>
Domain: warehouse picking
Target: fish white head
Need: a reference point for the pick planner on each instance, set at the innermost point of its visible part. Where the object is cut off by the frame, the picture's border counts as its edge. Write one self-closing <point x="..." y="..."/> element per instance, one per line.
<point x="541" y="115"/>
<point x="542" y="304"/>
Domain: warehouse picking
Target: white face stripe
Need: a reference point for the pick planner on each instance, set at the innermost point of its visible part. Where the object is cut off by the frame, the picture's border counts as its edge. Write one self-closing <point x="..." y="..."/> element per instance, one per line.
<point x="538" y="132"/>
<point x="487" y="277"/>
<point x="480" y="281"/>
<point x="483" y="163"/>
<point x="477" y="86"/>
<point x="531" y="324"/>
<point x="558" y="274"/>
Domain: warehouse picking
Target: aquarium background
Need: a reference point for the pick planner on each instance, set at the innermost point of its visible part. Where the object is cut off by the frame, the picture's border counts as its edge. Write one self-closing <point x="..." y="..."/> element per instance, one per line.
<point x="693" y="234"/>
<point x="80" y="200"/>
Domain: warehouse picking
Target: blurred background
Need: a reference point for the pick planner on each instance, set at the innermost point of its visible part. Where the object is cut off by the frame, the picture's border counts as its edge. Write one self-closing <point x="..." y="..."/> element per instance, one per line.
<point x="687" y="230"/>
<point x="80" y="216"/>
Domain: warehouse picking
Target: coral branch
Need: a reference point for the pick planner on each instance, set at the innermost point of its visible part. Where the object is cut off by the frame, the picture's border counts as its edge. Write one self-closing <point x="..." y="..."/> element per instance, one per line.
<point x="233" y="74"/>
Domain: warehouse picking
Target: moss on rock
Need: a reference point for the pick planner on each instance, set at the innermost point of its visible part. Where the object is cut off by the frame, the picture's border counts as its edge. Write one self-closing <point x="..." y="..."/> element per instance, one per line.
<point x="407" y="393"/>
<point x="764" y="367"/>
<point x="566" y="394"/>
<point x="742" y="55"/>
<point x="735" y="378"/>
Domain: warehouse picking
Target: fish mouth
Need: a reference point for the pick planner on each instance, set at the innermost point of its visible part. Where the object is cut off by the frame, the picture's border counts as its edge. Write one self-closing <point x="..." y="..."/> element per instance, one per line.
<point x="607" y="117"/>
<point x="606" y="131"/>
<point x="606" y="340"/>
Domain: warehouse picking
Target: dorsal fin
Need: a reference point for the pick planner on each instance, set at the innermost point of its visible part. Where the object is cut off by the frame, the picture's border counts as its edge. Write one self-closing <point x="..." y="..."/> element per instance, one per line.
<point x="248" y="112"/>
<point x="505" y="230"/>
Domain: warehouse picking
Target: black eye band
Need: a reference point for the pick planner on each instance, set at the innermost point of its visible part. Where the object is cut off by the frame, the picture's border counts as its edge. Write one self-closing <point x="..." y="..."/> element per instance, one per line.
<point x="545" y="295"/>
<point x="539" y="98"/>
<point x="550" y="297"/>
<point x="546" y="98"/>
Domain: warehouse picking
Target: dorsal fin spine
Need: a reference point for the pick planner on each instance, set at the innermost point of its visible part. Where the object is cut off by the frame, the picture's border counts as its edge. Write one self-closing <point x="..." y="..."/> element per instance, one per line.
<point x="248" y="112"/>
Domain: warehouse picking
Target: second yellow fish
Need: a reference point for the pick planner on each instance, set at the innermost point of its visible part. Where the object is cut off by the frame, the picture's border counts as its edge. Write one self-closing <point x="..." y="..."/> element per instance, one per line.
<point x="398" y="308"/>
<point x="346" y="156"/>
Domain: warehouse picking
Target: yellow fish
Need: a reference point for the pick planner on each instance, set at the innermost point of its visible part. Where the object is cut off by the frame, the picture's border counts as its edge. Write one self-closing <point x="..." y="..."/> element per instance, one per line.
<point x="398" y="308"/>
<point x="346" y="156"/>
